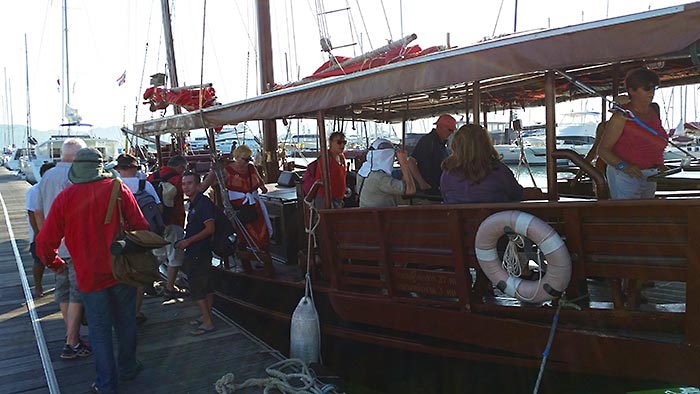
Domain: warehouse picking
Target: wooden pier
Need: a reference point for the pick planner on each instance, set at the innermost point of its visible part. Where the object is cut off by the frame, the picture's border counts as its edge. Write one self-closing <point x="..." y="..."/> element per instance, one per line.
<point x="32" y="330"/>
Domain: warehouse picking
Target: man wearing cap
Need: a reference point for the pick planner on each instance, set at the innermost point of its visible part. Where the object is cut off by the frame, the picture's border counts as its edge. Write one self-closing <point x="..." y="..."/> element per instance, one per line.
<point x="429" y="153"/>
<point x="78" y="216"/>
<point x="66" y="294"/>
<point x="127" y="167"/>
<point x="376" y="187"/>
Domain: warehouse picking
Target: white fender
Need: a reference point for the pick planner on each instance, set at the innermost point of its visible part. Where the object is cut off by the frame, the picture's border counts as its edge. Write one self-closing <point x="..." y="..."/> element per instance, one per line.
<point x="305" y="332"/>
<point x="558" y="274"/>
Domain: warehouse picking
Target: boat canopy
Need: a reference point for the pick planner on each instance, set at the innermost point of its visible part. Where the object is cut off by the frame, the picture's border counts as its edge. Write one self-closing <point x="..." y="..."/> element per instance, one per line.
<point x="510" y="73"/>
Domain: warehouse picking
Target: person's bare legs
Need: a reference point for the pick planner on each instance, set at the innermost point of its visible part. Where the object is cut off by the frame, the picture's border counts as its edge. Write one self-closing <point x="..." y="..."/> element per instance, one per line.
<point x="38" y="271"/>
<point x="205" y="307"/>
<point x="172" y="275"/>
<point x="64" y="313"/>
<point x="72" y="320"/>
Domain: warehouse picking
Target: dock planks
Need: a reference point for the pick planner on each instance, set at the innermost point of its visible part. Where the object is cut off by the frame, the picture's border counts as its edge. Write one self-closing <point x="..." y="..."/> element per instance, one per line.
<point x="174" y="362"/>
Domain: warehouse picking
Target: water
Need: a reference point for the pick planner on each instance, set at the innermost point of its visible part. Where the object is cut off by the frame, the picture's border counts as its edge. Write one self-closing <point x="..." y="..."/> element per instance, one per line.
<point x="539" y="173"/>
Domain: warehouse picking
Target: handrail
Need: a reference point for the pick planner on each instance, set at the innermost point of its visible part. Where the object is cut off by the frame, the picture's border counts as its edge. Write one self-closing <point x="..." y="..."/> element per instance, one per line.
<point x="601" y="186"/>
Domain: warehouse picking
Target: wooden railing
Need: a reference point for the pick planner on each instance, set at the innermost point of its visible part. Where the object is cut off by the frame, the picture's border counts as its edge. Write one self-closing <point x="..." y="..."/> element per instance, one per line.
<point x="424" y="255"/>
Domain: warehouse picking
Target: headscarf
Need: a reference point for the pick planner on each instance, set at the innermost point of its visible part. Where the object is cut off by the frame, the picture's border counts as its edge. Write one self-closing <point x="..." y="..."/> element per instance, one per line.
<point x="379" y="158"/>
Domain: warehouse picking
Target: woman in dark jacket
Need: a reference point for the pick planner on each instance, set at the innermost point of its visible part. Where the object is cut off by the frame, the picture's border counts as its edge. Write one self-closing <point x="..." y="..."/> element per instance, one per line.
<point x="473" y="172"/>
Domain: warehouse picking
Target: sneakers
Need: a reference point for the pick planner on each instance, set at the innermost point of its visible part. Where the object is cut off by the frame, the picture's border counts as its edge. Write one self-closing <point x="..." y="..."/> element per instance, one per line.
<point x="80" y="350"/>
<point x="131" y="375"/>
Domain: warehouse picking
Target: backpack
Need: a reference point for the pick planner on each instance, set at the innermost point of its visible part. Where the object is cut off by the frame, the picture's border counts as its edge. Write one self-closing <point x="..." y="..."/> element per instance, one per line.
<point x="309" y="177"/>
<point x="166" y="192"/>
<point x="223" y="241"/>
<point x="149" y="208"/>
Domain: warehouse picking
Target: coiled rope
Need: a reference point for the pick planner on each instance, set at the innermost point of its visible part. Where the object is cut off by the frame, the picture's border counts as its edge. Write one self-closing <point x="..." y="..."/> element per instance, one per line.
<point x="511" y="260"/>
<point x="281" y="377"/>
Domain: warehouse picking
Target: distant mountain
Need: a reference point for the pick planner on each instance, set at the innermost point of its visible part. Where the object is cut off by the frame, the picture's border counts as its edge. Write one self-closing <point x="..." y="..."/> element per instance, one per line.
<point x="113" y="132"/>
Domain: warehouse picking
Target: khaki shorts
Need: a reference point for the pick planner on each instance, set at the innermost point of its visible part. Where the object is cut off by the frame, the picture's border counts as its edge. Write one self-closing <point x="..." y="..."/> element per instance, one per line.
<point x="67" y="286"/>
<point x="168" y="254"/>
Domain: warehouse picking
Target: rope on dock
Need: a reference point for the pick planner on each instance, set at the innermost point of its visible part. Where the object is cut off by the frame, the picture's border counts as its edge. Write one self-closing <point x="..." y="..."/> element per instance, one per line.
<point x="301" y="382"/>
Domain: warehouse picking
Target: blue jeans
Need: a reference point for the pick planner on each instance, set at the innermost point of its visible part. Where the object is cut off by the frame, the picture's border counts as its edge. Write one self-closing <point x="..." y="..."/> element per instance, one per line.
<point x="112" y="307"/>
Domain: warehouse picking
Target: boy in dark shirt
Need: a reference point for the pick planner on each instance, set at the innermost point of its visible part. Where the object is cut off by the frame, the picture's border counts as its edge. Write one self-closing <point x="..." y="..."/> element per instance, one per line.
<point x="198" y="232"/>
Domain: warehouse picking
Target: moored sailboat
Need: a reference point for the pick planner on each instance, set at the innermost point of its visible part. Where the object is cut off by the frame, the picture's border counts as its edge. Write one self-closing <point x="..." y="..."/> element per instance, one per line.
<point x="50" y="150"/>
<point x="409" y="277"/>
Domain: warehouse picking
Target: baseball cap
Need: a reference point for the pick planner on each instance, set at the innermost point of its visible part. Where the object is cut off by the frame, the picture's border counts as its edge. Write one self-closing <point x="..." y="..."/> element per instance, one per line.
<point x="447" y="121"/>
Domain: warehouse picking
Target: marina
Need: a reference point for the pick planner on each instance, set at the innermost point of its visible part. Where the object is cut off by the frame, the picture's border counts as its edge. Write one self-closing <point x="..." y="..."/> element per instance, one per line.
<point x="414" y="278"/>
<point x="562" y="280"/>
<point x="31" y="331"/>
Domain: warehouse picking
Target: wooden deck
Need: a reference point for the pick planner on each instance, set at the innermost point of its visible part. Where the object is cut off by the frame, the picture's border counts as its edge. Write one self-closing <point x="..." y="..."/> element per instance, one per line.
<point x="174" y="361"/>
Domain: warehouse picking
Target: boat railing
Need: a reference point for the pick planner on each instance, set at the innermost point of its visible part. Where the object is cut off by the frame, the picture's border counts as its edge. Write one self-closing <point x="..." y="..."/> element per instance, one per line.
<point x="424" y="256"/>
<point x="601" y="185"/>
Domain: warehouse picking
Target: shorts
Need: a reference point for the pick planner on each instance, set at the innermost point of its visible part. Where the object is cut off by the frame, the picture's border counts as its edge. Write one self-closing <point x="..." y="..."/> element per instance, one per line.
<point x="197" y="270"/>
<point x="168" y="254"/>
<point x="623" y="186"/>
<point x="32" y="251"/>
<point x="67" y="286"/>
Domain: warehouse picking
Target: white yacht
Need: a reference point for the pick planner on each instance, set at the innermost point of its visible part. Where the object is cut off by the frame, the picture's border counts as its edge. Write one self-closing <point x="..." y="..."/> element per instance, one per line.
<point x="50" y="150"/>
<point x="575" y="131"/>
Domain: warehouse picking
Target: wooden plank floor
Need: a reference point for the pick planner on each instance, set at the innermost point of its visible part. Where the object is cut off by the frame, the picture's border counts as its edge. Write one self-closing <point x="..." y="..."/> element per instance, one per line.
<point x="174" y="361"/>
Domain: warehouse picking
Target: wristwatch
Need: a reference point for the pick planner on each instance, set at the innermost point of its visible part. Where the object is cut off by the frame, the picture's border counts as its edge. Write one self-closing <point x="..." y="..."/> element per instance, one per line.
<point x="621" y="165"/>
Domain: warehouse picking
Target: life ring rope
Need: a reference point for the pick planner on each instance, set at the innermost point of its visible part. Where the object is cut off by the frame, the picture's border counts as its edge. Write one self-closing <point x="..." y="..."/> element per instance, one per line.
<point x="501" y="273"/>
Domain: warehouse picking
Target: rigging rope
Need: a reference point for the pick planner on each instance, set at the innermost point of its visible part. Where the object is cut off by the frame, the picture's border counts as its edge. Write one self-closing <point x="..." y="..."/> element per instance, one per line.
<point x="547" y="348"/>
<point x="493" y="34"/>
<point x="143" y="73"/>
<point x="294" y="40"/>
<point x="201" y="64"/>
<point x="369" y="40"/>
<point x="321" y="20"/>
<point x="386" y="18"/>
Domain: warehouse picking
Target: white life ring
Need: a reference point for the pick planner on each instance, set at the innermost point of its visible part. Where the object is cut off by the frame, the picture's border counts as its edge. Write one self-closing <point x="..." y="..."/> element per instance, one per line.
<point x="558" y="274"/>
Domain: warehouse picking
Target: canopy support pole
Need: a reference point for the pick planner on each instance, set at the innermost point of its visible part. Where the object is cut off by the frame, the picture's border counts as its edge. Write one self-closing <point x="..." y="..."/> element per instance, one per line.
<point x="550" y="132"/>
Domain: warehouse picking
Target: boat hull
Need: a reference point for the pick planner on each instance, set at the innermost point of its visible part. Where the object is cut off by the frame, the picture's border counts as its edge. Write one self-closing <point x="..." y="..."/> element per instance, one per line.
<point x="459" y="336"/>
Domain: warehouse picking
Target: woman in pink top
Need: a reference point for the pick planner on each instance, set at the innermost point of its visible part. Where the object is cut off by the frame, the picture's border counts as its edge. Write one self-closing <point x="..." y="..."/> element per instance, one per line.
<point x="632" y="152"/>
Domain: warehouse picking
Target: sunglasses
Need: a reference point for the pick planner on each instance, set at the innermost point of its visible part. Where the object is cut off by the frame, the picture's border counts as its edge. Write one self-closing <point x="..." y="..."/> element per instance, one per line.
<point x="649" y="88"/>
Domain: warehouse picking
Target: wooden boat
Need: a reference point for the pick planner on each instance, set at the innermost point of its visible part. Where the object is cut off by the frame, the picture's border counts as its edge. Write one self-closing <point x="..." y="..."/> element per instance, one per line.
<point x="408" y="277"/>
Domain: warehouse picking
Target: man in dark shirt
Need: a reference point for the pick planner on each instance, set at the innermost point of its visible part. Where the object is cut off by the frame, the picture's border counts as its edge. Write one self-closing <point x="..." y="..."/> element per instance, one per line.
<point x="429" y="153"/>
<point x="198" y="232"/>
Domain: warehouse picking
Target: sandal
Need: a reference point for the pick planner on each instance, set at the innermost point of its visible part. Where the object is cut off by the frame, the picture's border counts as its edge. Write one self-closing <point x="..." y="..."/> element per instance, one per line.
<point x="196" y="322"/>
<point x="201" y="331"/>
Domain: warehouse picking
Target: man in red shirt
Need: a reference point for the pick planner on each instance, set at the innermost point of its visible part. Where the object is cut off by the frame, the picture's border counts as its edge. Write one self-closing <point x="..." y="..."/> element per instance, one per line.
<point x="78" y="216"/>
<point x="174" y="218"/>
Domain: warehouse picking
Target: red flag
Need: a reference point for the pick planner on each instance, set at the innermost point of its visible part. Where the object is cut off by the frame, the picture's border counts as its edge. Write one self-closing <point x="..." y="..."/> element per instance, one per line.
<point x="121" y="79"/>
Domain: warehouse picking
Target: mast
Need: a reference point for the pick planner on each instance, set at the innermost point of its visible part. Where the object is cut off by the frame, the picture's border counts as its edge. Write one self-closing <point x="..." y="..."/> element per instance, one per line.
<point x="8" y="104"/>
<point x="29" y="118"/>
<point x="65" y="84"/>
<point x="172" y="68"/>
<point x="267" y="80"/>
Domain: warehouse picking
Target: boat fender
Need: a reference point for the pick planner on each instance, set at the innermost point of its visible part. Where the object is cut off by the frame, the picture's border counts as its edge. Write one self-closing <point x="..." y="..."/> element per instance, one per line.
<point x="558" y="274"/>
<point x="305" y="332"/>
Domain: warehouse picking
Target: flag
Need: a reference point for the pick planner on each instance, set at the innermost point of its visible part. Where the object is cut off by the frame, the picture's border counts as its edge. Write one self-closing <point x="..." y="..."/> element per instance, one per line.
<point x="121" y="79"/>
